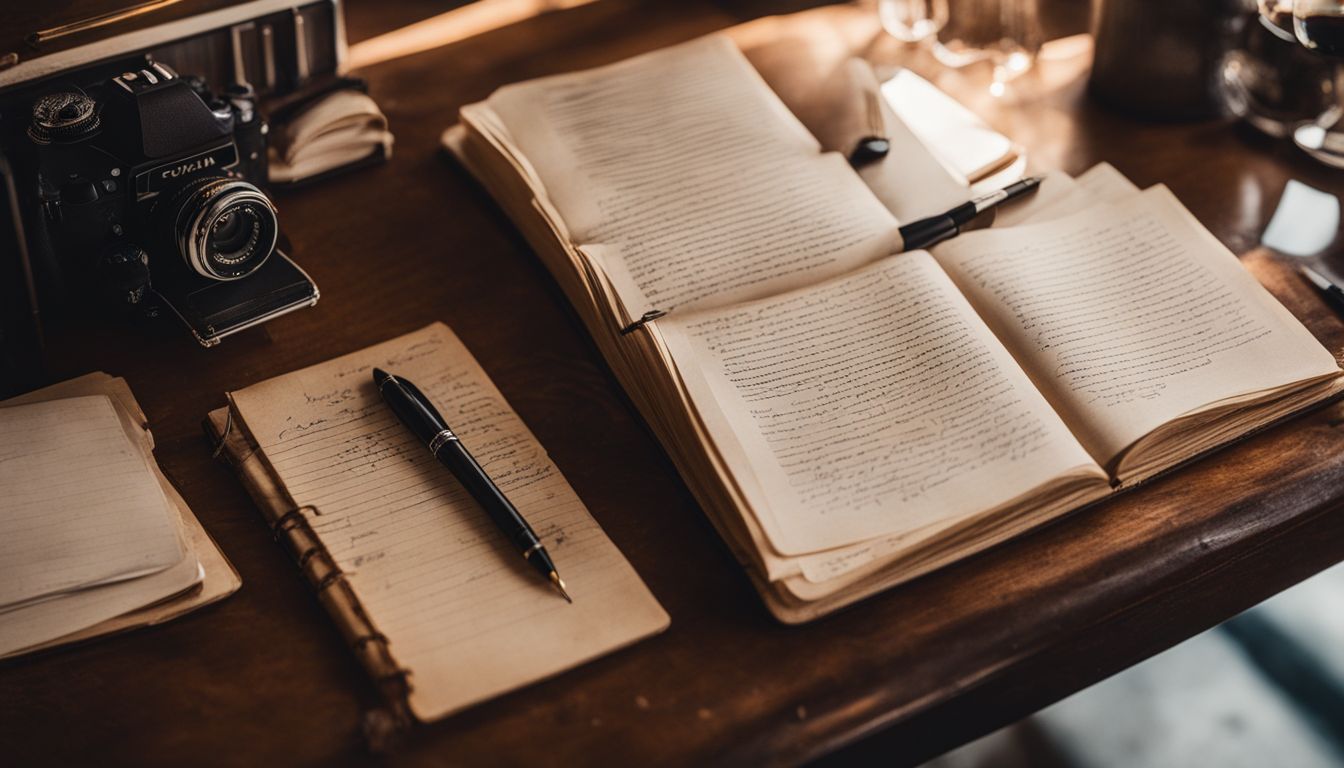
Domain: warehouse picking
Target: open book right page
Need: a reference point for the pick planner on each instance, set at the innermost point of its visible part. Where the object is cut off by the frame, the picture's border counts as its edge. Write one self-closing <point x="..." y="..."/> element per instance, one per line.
<point x="1130" y="317"/>
<point x="872" y="404"/>
<point x="687" y="180"/>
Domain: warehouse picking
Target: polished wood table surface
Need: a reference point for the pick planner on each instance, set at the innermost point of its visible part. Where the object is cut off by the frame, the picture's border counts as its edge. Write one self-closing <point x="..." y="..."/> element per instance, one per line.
<point x="263" y="678"/>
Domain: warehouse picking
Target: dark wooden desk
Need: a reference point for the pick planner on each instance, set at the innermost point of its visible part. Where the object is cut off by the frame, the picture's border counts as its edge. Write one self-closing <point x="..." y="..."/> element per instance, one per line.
<point x="263" y="678"/>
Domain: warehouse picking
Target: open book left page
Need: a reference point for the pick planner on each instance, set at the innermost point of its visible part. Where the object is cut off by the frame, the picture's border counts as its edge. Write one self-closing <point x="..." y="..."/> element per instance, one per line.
<point x="460" y="610"/>
<point x="697" y="186"/>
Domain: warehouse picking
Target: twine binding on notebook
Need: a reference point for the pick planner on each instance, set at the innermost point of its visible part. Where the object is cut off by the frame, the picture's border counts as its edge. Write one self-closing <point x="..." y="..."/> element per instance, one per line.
<point x="308" y="555"/>
<point x="331" y="578"/>
<point x="372" y="637"/>
<point x="384" y="726"/>
<point x="288" y="522"/>
<point x="224" y="436"/>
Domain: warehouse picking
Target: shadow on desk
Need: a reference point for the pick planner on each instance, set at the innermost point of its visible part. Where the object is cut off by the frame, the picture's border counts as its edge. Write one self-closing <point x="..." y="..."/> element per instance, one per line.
<point x="1266" y="688"/>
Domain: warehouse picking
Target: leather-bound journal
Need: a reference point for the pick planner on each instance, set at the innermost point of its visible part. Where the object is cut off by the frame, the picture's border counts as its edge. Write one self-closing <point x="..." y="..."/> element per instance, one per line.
<point x="438" y="608"/>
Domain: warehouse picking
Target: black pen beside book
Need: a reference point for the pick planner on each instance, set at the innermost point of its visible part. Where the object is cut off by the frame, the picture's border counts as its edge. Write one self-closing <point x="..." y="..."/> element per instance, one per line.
<point x="926" y="233"/>
<point x="1332" y="293"/>
<point x="418" y="413"/>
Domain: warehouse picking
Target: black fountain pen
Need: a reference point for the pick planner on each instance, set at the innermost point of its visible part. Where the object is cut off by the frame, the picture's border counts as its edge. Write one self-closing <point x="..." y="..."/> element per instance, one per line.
<point x="927" y="232"/>
<point x="416" y="412"/>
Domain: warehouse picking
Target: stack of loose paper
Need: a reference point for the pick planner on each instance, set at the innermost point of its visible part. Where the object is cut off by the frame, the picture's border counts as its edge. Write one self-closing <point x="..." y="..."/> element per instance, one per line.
<point x="92" y="539"/>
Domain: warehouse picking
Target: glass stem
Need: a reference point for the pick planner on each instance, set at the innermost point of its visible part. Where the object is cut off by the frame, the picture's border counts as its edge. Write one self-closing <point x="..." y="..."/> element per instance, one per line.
<point x="1339" y="87"/>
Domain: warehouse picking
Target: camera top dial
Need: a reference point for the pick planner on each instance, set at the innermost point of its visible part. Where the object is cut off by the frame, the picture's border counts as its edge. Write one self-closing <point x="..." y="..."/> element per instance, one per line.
<point x="63" y="116"/>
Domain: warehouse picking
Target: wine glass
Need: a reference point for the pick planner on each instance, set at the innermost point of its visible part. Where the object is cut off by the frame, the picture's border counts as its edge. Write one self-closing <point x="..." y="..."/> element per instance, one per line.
<point x="1277" y="17"/>
<point x="912" y="21"/>
<point x="1319" y="26"/>
<point x="1006" y="33"/>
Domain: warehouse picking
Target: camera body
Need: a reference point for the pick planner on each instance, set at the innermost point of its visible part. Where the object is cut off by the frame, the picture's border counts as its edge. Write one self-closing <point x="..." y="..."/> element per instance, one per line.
<point x="147" y="195"/>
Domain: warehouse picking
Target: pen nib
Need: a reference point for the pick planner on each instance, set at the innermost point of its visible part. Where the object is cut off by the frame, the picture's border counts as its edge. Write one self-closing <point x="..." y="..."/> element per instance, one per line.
<point x="560" y="585"/>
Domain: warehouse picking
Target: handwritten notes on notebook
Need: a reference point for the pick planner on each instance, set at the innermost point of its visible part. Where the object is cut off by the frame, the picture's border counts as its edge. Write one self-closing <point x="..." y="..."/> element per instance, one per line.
<point x="460" y="608"/>
<point x="79" y="504"/>
<point x="696" y="186"/>
<point x="1131" y="315"/>
<point x="865" y="403"/>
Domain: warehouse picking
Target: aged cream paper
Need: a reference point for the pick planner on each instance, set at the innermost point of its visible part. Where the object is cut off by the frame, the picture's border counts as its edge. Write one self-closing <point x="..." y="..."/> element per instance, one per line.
<point x="687" y="179"/>
<point x="869" y="405"/>
<point x="79" y="505"/>
<point x="1129" y="316"/>
<point x="461" y="610"/>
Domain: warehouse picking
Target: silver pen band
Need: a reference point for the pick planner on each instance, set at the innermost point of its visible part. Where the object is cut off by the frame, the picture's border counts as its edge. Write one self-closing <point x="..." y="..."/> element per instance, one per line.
<point x="437" y="442"/>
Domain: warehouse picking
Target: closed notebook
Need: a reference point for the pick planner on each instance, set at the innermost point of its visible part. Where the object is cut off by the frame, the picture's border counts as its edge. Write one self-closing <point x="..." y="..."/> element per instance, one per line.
<point x="433" y="600"/>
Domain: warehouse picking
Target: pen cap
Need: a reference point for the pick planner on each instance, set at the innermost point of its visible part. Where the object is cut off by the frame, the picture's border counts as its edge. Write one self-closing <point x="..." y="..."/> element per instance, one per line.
<point x="926" y="232"/>
<point x="412" y="408"/>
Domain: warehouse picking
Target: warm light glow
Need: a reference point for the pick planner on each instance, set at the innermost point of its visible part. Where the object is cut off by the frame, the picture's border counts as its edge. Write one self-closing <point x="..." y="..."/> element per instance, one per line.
<point x="450" y="27"/>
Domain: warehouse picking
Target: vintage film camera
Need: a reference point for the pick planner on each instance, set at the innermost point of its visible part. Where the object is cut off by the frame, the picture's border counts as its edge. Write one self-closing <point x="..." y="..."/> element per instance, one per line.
<point x="147" y="197"/>
<point x="139" y="191"/>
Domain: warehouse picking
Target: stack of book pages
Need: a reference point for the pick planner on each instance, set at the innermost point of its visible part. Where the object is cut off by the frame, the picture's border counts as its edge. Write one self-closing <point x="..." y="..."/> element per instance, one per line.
<point x="849" y="415"/>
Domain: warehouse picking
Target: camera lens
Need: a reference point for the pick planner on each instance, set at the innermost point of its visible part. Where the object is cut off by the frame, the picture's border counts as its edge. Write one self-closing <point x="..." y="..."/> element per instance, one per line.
<point x="224" y="228"/>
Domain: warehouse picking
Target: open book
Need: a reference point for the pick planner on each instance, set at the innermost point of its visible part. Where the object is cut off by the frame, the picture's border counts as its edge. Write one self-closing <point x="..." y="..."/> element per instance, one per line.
<point x="851" y="416"/>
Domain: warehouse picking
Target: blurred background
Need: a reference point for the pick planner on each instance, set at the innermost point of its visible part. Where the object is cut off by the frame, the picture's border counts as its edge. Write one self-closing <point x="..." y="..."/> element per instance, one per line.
<point x="1264" y="689"/>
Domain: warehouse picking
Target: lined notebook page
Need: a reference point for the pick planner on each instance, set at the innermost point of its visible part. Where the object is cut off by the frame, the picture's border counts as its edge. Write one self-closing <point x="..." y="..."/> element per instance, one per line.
<point x="79" y="504"/>
<point x="688" y="179"/>
<point x="870" y="405"/>
<point x="460" y="608"/>
<point x="1131" y="315"/>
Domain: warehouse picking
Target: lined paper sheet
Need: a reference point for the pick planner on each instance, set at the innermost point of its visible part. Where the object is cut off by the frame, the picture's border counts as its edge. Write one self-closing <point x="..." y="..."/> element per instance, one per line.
<point x="866" y="404"/>
<point x="37" y="623"/>
<point x="461" y="609"/>
<point x="1131" y="315"/>
<point x="1060" y="196"/>
<point x="79" y="503"/>
<point x="689" y="181"/>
